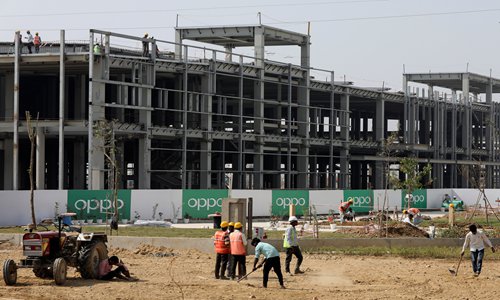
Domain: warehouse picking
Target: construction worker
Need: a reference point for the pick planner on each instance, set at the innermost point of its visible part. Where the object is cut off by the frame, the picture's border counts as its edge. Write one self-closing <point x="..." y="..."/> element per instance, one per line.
<point x="37" y="41"/>
<point x="271" y="261"/>
<point x="230" y="229"/>
<point x="30" y="41"/>
<point x="451" y="215"/>
<point x="344" y="206"/>
<point x="475" y="241"/>
<point x="413" y="214"/>
<point x="222" y="248"/>
<point x="145" y="46"/>
<point x="291" y="245"/>
<point x="238" y="242"/>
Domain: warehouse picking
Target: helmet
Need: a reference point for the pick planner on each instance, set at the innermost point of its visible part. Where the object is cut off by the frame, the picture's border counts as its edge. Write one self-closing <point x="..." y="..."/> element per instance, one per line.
<point x="237" y="225"/>
<point x="351" y="201"/>
<point x="404" y="211"/>
<point x="454" y="197"/>
<point x="292" y="219"/>
<point x="231" y="224"/>
<point x="224" y="224"/>
<point x="146" y="34"/>
<point x="452" y="205"/>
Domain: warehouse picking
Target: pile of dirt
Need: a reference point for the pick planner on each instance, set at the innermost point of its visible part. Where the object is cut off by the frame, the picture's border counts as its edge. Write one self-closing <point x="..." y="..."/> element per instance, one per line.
<point x="154" y="251"/>
<point x="405" y="229"/>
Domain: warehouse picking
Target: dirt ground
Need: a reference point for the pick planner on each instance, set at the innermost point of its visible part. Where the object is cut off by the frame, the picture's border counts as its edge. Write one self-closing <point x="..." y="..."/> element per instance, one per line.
<point x="174" y="274"/>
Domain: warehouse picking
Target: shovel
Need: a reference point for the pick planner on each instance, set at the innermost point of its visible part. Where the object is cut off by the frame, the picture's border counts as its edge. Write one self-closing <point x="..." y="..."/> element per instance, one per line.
<point x="256" y="268"/>
<point x="455" y="272"/>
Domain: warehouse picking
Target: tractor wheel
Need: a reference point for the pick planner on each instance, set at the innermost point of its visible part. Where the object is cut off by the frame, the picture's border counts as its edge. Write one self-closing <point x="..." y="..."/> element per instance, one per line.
<point x="43" y="272"/>
<point x="60" y="271"/>
<point x="9" y="272"/>
<point x="90" y="257"/>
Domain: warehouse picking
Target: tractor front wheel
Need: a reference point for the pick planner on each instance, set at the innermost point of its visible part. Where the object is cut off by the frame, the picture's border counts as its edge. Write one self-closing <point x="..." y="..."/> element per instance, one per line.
<point x="60" y="271"/>
<point x="9" y="272"/>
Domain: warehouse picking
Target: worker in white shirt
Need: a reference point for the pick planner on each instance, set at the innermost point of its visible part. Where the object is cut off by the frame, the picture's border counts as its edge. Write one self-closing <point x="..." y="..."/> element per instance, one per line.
<point x="475" y="241"/>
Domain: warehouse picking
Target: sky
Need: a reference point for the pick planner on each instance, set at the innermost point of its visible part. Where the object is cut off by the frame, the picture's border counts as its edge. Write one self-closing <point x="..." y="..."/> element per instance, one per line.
<point x="365" y="41"/>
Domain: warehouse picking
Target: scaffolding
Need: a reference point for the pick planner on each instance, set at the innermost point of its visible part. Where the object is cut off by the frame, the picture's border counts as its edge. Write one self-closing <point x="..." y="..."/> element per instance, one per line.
<point x="190" y="117"/>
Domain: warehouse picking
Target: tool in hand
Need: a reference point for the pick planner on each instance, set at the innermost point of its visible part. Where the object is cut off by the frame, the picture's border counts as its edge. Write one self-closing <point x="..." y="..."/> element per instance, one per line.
<point x="256" y="268"/>
<point x="455" y="272"/>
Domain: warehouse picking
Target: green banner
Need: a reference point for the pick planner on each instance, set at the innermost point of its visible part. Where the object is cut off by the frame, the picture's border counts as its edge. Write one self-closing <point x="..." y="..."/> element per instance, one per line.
<point x="283" y="198"/>
<point x="418" y="199"/>
<point x="201" y="203"/>
<point x="362" y="199"/>
<point x="95" y="204"/>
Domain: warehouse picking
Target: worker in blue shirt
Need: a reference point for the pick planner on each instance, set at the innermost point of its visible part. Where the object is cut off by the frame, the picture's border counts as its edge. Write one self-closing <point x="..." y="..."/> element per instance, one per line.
<point x="271" y="260"/>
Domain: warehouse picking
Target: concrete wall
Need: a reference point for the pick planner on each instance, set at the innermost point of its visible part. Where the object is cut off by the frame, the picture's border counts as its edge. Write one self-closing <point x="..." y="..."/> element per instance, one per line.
<point x="14" y="205"/>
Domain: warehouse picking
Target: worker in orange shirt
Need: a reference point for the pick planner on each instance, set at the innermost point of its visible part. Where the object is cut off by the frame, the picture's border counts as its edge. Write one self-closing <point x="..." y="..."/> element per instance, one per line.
<point x="222" y="248"/>
<point x="238" y="242"/>
<point x="344" y="206"/>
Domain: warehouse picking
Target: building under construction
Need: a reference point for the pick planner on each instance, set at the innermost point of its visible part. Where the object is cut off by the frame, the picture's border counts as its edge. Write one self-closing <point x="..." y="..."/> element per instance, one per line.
<point x="195" y="117"/>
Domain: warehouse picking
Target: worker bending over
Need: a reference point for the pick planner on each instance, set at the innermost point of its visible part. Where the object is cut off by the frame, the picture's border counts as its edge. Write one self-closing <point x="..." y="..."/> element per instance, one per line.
<point x="271" y="261"/>
<point x="344" y="206"/>
<point x="238" y="242"/>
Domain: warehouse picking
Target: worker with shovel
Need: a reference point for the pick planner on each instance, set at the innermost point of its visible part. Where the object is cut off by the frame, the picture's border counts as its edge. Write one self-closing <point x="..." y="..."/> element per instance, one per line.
<point x="271" y="261"/>
<point x="475" y="241"/>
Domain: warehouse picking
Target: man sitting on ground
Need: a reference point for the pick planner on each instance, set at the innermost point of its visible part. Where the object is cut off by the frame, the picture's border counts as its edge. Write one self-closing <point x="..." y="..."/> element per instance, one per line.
<point x="121" y="272"/>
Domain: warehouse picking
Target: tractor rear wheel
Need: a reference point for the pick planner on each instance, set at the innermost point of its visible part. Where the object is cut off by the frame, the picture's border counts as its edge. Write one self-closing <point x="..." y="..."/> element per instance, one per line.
<point x="43" y="272"/>
<point x="9" y="272"/>
<point x="90" y="257"/>
<point x="60" y="271"/>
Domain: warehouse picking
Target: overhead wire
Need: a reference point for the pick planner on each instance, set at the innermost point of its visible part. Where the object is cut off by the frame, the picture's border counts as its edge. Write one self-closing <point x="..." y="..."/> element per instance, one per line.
<point x="304" y="21"/>
<point x="189" y="9"/>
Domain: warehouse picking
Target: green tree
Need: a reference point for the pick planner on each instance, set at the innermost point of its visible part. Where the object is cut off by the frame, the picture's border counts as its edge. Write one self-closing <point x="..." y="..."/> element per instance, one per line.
<point x="414" y="176"/>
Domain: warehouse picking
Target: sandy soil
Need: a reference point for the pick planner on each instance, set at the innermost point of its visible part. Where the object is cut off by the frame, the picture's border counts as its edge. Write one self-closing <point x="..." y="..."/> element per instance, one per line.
<point x="173" y="274"/>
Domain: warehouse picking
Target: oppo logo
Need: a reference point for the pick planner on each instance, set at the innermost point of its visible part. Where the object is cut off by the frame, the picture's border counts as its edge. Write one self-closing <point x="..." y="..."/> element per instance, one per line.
<point x="361" y="200"/>
<point x="286" y="201"/>
<point x="93" y="205"/>
<point x="204" y="203"/>
<point x="417" y="198"/>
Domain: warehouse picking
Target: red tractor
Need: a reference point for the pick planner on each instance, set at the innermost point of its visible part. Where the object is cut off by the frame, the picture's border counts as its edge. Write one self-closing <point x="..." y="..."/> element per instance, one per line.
<point x="49" y="253"/>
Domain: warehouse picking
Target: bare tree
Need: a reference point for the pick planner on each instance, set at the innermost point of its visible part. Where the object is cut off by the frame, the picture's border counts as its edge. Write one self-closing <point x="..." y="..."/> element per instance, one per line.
<point x="388" y="152"/>
<point x="32" y="136"/>
<point x="475" y="175"/>
<point x="104" y="130"/>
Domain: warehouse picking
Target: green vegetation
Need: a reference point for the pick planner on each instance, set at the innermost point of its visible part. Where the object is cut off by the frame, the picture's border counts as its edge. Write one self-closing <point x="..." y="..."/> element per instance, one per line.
<point x="406" y="252"/>
<point x="176" y="232"/>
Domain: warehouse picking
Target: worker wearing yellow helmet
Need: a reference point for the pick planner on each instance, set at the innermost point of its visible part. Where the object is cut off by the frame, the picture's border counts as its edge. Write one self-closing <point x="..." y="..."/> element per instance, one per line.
<point x="222" y="249"/>
<point x="230" y="229"/>
<point x="238" y="251"/>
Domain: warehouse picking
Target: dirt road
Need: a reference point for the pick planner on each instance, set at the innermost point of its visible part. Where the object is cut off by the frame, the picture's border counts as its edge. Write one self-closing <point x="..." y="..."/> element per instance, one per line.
<point x="189" y="275"/>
